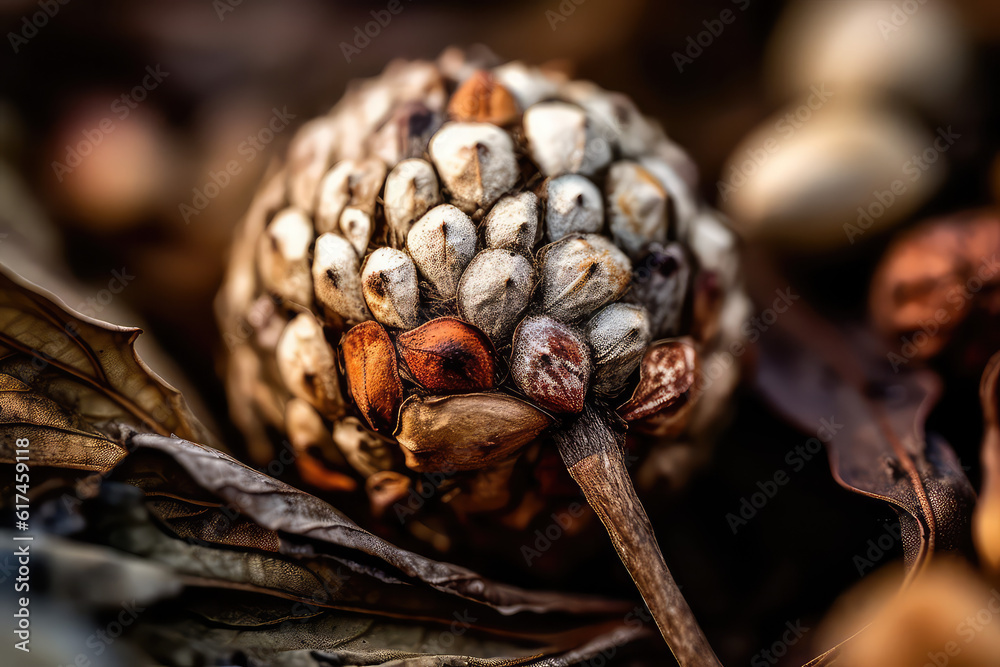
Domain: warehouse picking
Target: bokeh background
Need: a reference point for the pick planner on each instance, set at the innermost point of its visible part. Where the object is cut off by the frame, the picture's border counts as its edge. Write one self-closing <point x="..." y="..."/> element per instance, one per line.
<point x="867" y="83"/>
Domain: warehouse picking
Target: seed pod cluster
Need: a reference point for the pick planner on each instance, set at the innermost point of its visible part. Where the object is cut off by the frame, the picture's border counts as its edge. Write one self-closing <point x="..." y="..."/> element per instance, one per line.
<point x="452" y="276"/>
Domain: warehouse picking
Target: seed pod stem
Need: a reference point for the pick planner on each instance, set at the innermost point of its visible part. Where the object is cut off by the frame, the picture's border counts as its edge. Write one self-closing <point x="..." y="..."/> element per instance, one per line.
<point x="592" y="452"/>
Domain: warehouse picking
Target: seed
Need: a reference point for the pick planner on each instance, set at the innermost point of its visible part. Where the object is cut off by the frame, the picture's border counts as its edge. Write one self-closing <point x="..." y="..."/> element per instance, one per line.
<point x="336" y="279"/>
<point x="365" y="450"/>
<point x="482" y="99"/>
<point x="661" y="284"/>
<point x="581" y="273"/>
<point x="308" y="435"/>
<point x="410" y="191"/>
<point x="386" y="488"/>
<point x="528" y="85"/>
<point x="406" y="134"/>
<point x="447" y="355"/>
<point x="618" y="335"/>
<point x="494" y="291"/>
<point x="307" y="365"/>
<point x="561" y="140"/>
<point x="372" y="373"/>
<point x="573" y="204"/>
<point x="637" y="207"/>
<point x="666" y="375"/>
<point x="551" y="364"/>
<point x="442" y="244"/>
<point x="614" y="117"/>
<point x="513" y="223"/>
<point x="465" y="431"/>
<point x="283" y="256"/>
<point x="389" y="285"/>
<point x="476" y="162"/>
<point x="348" y="195"/>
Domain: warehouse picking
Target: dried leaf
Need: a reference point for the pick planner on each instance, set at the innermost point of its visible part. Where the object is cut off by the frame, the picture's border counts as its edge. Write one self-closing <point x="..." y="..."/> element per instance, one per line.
<point x="372" y="373"/>
<point x="447" y="355"/>
<point x="467" y="431"/>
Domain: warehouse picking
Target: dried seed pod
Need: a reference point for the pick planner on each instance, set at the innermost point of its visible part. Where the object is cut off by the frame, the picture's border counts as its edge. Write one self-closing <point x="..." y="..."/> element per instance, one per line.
<point x="447" y="355"/>
<point x="389" y="285"/>
<point x="466" y="431"/>
<point x="309" y="156"/>
<point x="660" y="283"/>
<point x="619" y="335"/>
<point x="637" y="207"/>
<point x="494" y="291"/>
<point x="372" y="373"/>
<point x="336" y="279"/>
<point x="385" y="489"/>
<point x="309" y="436"/>
<point x="666" y="375"/>
<point x="581" y="273"/>
<point x="561" y="140"/>
<point x="573" y="204"/>
<point x="476" y="162"/>
<point x="442" y="244"/>
<point x="307" y="365"/>
<point x="483" y="99"/>
<point x="550" y="363"/>
<point x="513" y="223"/>
<point x="411" y="190"/>
<point x="364" y="450"/>
<point x="283" y="256"/>
<point x="406" y="134"/>
<point x="348" y="194"/>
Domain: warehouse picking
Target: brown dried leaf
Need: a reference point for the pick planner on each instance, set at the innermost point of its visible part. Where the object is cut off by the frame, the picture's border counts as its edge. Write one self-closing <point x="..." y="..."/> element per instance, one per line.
<point x="467" y="431"/>
<point x="372" y="373"/>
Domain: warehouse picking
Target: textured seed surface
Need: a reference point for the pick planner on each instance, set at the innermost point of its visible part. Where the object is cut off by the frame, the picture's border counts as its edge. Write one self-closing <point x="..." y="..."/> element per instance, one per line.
<point x="336" y="274"/>
<point x="666" y="374"/>
<point x="373" y="374"/>
<point x="551" y="364"/>
<point x="581" y="273"/>
<point x="307" y="365"/>
<point x="411" y="190"/>
<point x="513" y="223"/>
<point x="389" y="286"/>
<point x="494" y="291"/>
<point x="637" y="207"/>
<point x="442" y="244"/>
<point x="476" y="162"/>
<point x="283" y="256"/>
<point x="467" y="431"/>
<point x="448" y="355"/>
<point x="560" y="141"/>
<point x="618" y="335"/>
<point x="573" y="204"/>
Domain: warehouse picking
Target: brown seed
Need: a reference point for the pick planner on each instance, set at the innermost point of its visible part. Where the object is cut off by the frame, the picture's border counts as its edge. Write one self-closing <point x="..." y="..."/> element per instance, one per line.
<point x="447" y="355"/>
<point x="666" y="375"/>
<point x="551" y="363"/>
<point x="482" y="98"/>
<point x="372" y="373"/>
<point x="467" y="431"/>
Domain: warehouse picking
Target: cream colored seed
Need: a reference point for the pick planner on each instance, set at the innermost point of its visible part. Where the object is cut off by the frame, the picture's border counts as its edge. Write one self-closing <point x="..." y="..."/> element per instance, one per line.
<point x="411" y="190"/>
<point x="389" y="285"/>
<point x="282" y="255"/>
<point x="562" y="142"/>
<point x="476" y="162"/>
<point x="442" y="244"/>
<point x="494" y="291"/>
<point x="637" y="207"/>
<point x="580" y="273"/>
<point x="513" y="223"/>
<point x="307" y="366"/>
<point x="336" y="278"/>
<point x="573" y="205"/>
<point x="618" y="335"/>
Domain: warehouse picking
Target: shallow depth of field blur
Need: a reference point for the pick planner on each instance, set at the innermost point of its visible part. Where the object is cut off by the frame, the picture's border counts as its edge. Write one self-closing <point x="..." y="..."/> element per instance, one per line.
<point x="823" y="129"/>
